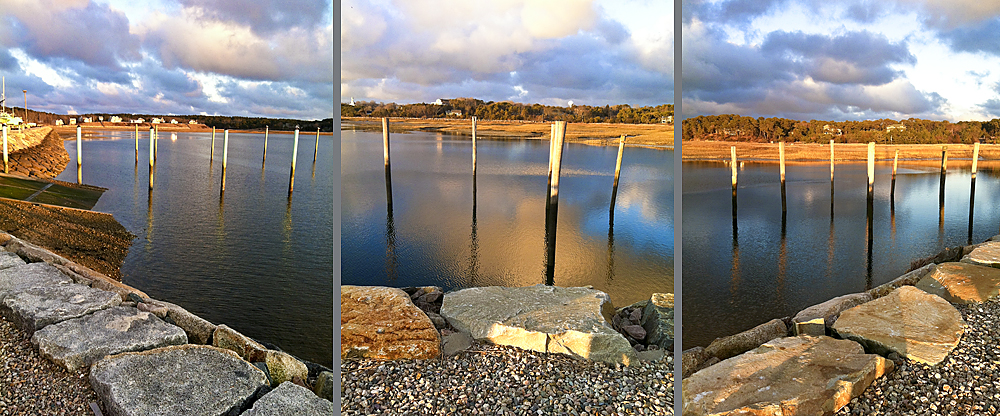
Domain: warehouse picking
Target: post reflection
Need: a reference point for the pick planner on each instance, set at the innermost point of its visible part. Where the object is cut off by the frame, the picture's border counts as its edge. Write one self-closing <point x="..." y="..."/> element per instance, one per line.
<point x="870" y="238"/>
<point x="474" y="240"/>
<point x="972" y="206"/>
<point x="390" y="243"/>
<point x="734" y="270"/>
<point x="782" y="259"/>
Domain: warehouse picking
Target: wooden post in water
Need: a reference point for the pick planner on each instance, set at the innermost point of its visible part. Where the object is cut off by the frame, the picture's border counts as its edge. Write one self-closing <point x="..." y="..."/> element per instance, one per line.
<point x="781" y="163"/>
<point x="136" y="145"/>
<point x="618" y="169"/>
<point x="944" y="159"/>
<point x="211" y="155"/>
<point x="295" y="152"/>
<point x="552" y="209"/>
<point x="732" y="151"/>
<point x="151" y="158"/>
<point x="225" y="158"/>
<point x="6" y="167"/>
<point x="316" y="149"/>
<point x="831" y="161"/>
<point x="388" y="166"/>
<point x="264" y="159"/>
<point x="156" y="143"/>
<point x="871" y="167"/>
<point x="975" y="159"/>
<point x="473" y="145"/>
<point x="892" y="187"/>
<point x="79" y="156"/>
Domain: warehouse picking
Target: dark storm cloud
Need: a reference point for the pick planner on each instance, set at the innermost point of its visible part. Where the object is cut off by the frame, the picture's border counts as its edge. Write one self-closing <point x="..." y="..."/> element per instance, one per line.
<point x="265" y="16"/>
<point x="982" y="37"/>
<point x="7" y="61"/>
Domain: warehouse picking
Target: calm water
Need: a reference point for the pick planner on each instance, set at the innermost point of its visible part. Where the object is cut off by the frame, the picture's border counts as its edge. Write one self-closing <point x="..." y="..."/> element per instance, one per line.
<point x="769" y="271"/>
<point x="437" y="234"/>
<point x="251" y="260"/>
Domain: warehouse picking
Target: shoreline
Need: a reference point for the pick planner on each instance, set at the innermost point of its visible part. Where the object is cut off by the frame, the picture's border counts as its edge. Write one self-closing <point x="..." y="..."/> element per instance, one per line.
<point x="596" y="134"/>
<point x="704" y="151"/>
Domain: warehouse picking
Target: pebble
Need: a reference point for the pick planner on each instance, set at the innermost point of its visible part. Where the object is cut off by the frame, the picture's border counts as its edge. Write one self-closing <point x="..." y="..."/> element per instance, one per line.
<point x="965" y="383"/>
<point x="492" y="379"/>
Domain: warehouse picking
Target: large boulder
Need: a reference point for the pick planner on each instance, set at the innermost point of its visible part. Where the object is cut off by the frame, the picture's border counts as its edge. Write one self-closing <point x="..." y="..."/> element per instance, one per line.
<point x="784" y="377"/>
<point x="198" y="330"/>
<point x="382" y="323"/>
<point x="283" y="367"/>
<point x="78" y="342"/>
<point x="830" y="310"/>
<point x="36" y="307"/>
<point x="17" y="278"/>
<point x="909" y="279"/>
<point x="917" y="325"/>
<point x="8" y="259"/>
<point x="178" y="380"/>
<point x="986" y="254"/>
<point x="564" y="320"/>
<point x="734" y="345"/>
<point x="962" y="282"/>
<point x="658" y="320"/>
<point x="289" y="399"/>
<point x="246" y="348"/>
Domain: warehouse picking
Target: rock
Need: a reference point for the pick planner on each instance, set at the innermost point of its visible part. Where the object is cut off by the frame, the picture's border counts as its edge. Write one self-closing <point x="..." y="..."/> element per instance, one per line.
<point x="438" y="320"/>
<point x="815" y="327"/>
<point x="962" y="282"/>
<point x="691" y="360"/>
<point x="36" y="307"/>
<point x="635" y="331"/>
<point x="908" y="279"/>
<point x="187" y="379"/>
<point x="17" y="278"/>
<point x="635" y="316"/>
<point x="159" y="311"/>
<point x="78" y="342"/>
<point x="786" y="376"/>
<point x="198" y="330"/>
<point x="453" y="343"/>
<point x="830" y="310"/>
<point x="8" y="259"/>
<point x="324" y="385"/>
<point x="283" y="367"/>
<point x="33" y="253"/>
<point x="262" y="366"/>
<point x="570" y="321"/>
<point x="986" y="254"/>
<point x="382" y="323"/>
<point x="658" y="320"/>
<point x="77" y="278"/>
<point x="651" y="355"/>
<point x="917" y="325"/>
<point x="246" y="348"/>
<point x="734" y="345"/>
<point x="431" y="297"/>
<point x="290" y="400"/>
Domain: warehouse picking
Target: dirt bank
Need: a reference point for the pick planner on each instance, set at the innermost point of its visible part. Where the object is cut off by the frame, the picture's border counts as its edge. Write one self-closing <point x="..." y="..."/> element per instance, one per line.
<point x="705" y="150"/>
<point x="45" y="160"/>
<point x="588" y="133"/>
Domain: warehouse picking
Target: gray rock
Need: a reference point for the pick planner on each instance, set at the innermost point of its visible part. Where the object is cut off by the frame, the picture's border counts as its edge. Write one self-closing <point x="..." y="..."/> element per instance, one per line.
<point x="36" y="307"/>
<point x="830" y="310"/>
<point x="451" y="344"/>
<point x="34" y="253"/>
<point x="908" y="279"/>
<point x="692" y="360"/>
<point x="734" y="345"/>
<point x="651" y="355"/>
<point x="658" y="320"/>
<point x="198" y="330"/>
<point x="635" y="331"/>
<point x="438" y="320"/>
<point x="17" y="278"/>
<point x="283" y="367"/>
<point x="178" y="380"/>
<point x="78" y="342"/>
<point x="815" y="327"/>
<point x="8" y="259"/>
<point x="290" y="400"/>
<point x="246" y="348"/>
<point x="570" y="321"/>
<point x="324" y="385"/>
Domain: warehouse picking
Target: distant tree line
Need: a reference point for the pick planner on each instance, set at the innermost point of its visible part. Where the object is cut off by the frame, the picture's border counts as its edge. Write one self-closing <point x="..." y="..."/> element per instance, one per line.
<point x="221" y="122"/>
<point x="731" y="127"/>
<point x="506" y="110"/>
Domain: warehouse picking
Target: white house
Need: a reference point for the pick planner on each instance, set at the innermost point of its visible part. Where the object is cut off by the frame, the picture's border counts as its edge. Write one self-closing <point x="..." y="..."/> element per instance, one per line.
<point x="59" y="122"/>
<point x="72" y="121"/>
<point x="138" y="120"/>
<point x="172" y="121"/>
<point x="88" y="119"/>
<point x="116" y="119"/>
<point x="157" y="120"/>
<point x="192" y="122"/>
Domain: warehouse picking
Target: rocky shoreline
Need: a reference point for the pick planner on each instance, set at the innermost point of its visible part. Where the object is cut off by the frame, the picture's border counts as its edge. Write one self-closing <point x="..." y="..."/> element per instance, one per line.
<point x="924" y="343"/>
<point x="535" y="350"/>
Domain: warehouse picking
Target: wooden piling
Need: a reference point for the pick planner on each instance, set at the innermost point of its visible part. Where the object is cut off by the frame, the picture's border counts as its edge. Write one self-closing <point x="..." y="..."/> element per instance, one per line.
<point x="552" y="208"/>
<point x="473" y="146"/>
<point x="975" y="159"/>
<point x="225" y="157"/>
<point x="79" y="155"/>
<point x="136" y="145"/>
<point x="6" y="166"/>
<point x="211" y="155"/>
<point x="295" y="151"/>
<point x="618" y="169"/>
<point x="892" y="187"/>
<point x="732" y="151"/>
<point x="781" y="164"/>
<point x="151" y="158"/>
<point x="156" y="143"/>
<point x="263" y="160"/>
<point x="944" y="159"/>
<point x="316" y="149"/>
<point x="871" y="166"/>
<point x="831" y="160"/>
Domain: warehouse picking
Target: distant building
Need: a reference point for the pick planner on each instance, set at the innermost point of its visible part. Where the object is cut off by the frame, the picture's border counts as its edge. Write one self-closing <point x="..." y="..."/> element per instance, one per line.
<point x="72" y="121"/>
<point x="192" y="122"/>
<point x="88" y="119"/>
<point x="138" y="120"/>
<point x="667" y="119"/>
<point x="438" y="102"/>
<point x="456" y="113"/>
<point x="352" y="102"/>
<point x="100" y="118"/>
<point x="892" y="127"/>
<point x="116" y="119"/>
<point x="59" y="122"/>
<point x="172" y="121"/>
<point x="157" y="120"/>
<point x="828" y="129"/>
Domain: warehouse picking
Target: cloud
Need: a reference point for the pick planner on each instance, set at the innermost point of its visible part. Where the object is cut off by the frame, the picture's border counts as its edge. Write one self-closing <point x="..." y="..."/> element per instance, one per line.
<point x="264" y="16"/>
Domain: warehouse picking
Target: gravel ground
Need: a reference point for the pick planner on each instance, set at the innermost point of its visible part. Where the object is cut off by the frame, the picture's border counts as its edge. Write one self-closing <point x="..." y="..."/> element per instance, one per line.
<point x="498" y="380"/>
<point x="966" y="383"/>
<point x="32" y="385"/>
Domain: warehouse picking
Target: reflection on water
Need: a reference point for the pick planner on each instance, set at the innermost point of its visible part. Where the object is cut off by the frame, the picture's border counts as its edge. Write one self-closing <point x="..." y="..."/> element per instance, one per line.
<point x="449" y="228"/>
<point x="249" y="258"/>
<point x="779" y="263"/>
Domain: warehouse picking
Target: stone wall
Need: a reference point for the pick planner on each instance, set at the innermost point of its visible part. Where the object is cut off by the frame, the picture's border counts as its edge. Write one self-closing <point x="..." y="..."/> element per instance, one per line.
<point x="37" y="152"/>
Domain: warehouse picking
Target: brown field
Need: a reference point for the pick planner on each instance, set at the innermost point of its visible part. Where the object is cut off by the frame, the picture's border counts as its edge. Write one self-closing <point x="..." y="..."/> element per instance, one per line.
<point x="601" y="134"/>
<point x="706" y="150"/>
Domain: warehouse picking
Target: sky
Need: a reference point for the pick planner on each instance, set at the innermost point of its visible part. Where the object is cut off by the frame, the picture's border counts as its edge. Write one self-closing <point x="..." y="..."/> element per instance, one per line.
<point x="269" y="58"/>
<point x="844" y="60"/>
<point x="552" y="52"/>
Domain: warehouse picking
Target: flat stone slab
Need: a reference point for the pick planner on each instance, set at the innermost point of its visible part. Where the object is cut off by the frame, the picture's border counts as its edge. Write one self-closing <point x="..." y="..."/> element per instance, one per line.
<point x="177" y="380"/>
<point x="17" y="278"/>
<point x="787" y="376"/>
<point x="962" y="282"/>
<point x="986" y="254"/>
<point x="33" y="308"/>
<point x="78" y="342"/>
<point x="917" y="325"/>
<point x="564" y="320"/>
<point x="830" y="310"/>
<point x="382" y="323"/>
<point x="8" y="259"/>
<point x="737" y="344"/>
<point x="290" y="399"/>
